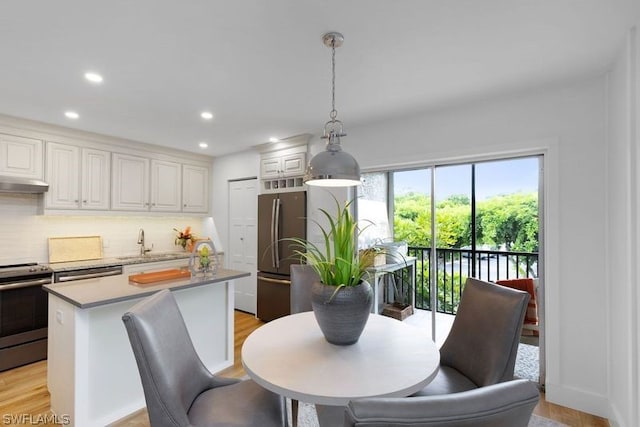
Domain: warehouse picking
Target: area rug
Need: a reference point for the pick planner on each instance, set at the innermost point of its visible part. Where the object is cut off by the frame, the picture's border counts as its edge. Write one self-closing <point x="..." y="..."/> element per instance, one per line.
<point x="527" y="362"/>
<point x="307" y="418"/>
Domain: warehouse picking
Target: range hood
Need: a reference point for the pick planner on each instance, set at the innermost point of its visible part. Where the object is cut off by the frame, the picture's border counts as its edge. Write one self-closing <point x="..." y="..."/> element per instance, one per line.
<point x="12" y="184"/>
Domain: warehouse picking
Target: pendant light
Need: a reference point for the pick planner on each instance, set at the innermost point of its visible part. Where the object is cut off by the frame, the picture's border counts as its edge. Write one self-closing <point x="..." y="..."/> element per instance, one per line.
<point x="333" y="167"/>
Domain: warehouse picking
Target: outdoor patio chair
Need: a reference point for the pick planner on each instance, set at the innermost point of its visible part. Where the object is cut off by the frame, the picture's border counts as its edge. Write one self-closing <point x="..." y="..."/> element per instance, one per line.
<point x="530" y="327"/>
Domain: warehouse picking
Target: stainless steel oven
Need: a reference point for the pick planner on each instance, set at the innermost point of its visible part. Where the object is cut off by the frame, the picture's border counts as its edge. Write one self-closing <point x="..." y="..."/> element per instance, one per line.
<point x="23" y="314"/>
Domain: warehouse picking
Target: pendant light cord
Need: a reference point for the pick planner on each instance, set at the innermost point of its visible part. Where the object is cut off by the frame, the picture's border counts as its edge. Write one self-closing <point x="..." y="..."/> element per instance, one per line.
<point x="333" y="113"/>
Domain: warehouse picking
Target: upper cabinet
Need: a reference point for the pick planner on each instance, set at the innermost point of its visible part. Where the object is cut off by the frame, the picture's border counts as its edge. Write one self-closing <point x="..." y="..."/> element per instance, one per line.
<point x="130" y="183"/>
<point x="282" y="166"/>
<point x="195" y="188"/>
<point x="141" y="184"/>
<point x="95" y="184"/>
<point x="99" y="174"/>
<point x="78" y="177"/>
<point x="166" y="186"/>
<point x="283" y="170"/>
<point x="20" y="156"/>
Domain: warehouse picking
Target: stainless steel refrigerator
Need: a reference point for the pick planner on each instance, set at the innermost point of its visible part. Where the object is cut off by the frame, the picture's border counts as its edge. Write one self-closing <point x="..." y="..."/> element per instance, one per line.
<point x="280" y="216"/>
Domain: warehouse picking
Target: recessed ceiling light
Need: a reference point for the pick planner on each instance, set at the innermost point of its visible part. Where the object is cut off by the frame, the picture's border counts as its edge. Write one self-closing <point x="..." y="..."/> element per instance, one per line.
<point x="93" y="77"/>
<point x="273" y="139"/>
<point x="71" y="114"/>
<point x="203" y="145"/>
<point x="206" y="115"/>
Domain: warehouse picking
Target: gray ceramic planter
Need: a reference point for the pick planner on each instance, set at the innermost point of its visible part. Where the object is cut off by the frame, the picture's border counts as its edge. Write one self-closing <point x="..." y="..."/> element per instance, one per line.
<point x="343" y="316"/>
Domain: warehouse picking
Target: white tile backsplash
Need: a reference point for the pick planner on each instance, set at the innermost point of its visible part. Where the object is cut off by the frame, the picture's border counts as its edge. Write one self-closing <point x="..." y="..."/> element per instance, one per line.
<point x="24" y="233"/>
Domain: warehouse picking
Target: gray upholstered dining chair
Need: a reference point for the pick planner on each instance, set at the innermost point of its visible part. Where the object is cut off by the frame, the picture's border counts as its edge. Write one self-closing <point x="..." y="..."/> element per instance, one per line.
<point x="178" y="388"/>
<point x="506" y="404"/>
<point x="302" y="277"/>
<point x="482" y="345"/>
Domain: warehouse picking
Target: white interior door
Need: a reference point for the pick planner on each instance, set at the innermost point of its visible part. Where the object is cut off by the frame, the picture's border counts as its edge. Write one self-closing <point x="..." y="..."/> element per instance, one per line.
<point x="243" y="240"/>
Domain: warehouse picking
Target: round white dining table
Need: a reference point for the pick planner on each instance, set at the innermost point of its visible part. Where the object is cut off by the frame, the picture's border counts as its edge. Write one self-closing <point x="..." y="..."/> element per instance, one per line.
<point x="291" y="357"/>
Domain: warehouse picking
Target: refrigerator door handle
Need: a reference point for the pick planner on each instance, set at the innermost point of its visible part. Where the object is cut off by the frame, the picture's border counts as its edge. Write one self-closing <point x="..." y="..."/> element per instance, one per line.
<point x="277" y="252"/>
<point x="273" y="233"/>
<point x="278" y="281"/>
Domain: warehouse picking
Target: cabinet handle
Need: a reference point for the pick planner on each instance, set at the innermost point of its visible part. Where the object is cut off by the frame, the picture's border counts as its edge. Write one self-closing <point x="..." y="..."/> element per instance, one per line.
<point x="184" y="206"/>
<point x="84" y="201"/>
<point x="76" y="201"/>
<point x="153" y="204"/>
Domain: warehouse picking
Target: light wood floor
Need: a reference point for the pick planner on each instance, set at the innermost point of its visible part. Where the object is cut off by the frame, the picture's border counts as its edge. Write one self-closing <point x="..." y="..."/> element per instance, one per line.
<point x="24" y="390"/>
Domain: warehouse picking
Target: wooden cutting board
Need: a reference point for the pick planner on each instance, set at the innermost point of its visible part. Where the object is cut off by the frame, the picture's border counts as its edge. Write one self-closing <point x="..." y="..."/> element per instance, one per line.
<point x="144" y="279"/>
<point x="79" y="248"/>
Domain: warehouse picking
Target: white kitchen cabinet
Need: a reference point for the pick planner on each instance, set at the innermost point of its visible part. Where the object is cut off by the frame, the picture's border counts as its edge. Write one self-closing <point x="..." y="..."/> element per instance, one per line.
<point x="282" y="166"/>
<point x="63" y="176"/>
<point x="130" y="183"/>
<point x="20" y="156"/>
<point x="141" y="184"/>
<point x="78" y="177"/>
<point x="195" y="188"/>
<point x="95" y="183"/>
<point x="166" y="186"/>
<point x="270" y="168"/>
<point x="293" y="164"/>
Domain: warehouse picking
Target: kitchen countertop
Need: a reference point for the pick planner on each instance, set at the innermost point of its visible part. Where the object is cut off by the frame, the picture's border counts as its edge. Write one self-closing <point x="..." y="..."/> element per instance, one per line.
<point x="125" y="260"/>
<point x="107" y="290"/>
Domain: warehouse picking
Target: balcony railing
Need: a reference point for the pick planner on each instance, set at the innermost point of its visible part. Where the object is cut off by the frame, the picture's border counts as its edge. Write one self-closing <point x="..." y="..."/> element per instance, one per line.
<point x="453" y="266"/>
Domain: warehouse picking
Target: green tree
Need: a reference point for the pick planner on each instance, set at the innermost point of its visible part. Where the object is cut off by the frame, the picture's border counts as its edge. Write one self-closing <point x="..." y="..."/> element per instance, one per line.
<point x="412" y="219"/>
<point x="510" y="220"/>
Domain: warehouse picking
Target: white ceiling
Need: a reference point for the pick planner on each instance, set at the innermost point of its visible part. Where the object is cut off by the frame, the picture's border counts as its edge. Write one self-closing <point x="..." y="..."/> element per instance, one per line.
<point x="261" y="68"/>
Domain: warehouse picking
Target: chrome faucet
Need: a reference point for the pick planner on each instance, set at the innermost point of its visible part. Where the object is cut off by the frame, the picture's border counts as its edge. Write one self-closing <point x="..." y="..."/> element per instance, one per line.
<point x="143" y="250"/>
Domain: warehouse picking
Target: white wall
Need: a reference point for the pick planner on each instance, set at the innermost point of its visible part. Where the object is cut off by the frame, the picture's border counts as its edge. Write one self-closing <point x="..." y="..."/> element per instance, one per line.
<point x="622" y="239"/>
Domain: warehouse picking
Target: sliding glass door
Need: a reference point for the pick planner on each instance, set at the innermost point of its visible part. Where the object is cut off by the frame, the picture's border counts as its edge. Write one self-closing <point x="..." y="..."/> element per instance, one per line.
<point x="484" y="216"/>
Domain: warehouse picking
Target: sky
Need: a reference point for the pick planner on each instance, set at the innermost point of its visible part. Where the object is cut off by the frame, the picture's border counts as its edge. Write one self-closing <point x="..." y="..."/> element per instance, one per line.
<point x="492" y="178"/>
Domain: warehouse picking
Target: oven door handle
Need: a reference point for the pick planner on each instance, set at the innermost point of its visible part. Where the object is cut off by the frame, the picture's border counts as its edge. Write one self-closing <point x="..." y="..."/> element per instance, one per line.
<point x="89" y="276"/>
<point x="19" y="285"/>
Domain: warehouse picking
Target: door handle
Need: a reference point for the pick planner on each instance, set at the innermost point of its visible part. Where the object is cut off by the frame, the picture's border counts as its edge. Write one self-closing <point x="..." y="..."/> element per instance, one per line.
<point x="273" y="231"/>
<point x="279" y="281"/>
<point x="277" y="233"/>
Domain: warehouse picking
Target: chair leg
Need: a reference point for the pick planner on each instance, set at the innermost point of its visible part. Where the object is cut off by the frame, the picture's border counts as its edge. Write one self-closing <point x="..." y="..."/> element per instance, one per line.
<point x="294" y="413"/>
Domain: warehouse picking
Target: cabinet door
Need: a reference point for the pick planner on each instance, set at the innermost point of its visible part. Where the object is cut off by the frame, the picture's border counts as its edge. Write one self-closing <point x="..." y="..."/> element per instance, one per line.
<point x="166" y="186"/>
<point x="96" y="179"/>
<point x="21" y="156"/>
<point x="294" y="164"/>
<point x="129" y="183"/>
<point x="63" y="167"/>
<point x="270" y="168"/>
<point x="195" y="189"/>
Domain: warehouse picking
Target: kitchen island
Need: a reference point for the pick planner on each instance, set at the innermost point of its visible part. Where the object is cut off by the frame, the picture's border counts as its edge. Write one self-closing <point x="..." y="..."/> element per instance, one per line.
<point x="92" y="373"/>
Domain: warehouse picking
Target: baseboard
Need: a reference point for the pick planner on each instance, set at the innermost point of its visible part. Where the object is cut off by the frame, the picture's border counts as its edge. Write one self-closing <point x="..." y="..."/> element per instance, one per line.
<point x="581" y="400"/>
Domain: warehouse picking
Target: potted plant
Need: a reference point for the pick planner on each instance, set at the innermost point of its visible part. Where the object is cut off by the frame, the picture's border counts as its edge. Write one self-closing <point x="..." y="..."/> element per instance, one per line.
<point x="342" y="299"/>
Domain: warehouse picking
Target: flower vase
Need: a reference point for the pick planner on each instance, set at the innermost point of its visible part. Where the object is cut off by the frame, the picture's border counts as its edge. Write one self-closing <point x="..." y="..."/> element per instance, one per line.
<point x="341" y="313"/>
